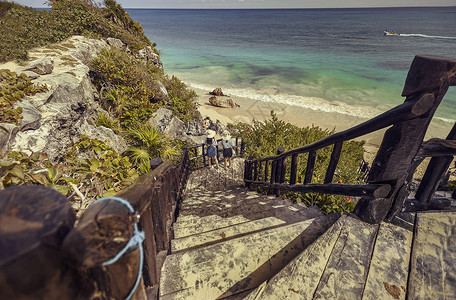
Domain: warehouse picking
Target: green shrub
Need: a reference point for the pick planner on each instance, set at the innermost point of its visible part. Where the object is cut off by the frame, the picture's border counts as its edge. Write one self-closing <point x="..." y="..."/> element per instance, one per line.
<point x="12" y="88"/>
<point x="107" y="121"/>
<point x="182" y="102"/>
<point x="149" y="143"/>
<point x="23" y="28"/>
<point x="263" y="139"/>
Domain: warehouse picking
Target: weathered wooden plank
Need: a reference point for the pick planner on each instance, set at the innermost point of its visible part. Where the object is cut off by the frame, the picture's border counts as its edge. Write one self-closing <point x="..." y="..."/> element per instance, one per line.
<point x="299" y="279"/>
<point x="310" y="167"/>
<point x="346" y="271"/>
<point x="294" y="169"/>
<point x="437" y="167"/>
<point x="106" y="227"/>
<point x="150" y="249"/>
<point x="359" y="190"/>
<point x="333" y="162"/>
<point x="388" y="272"/>
<point x="117" y="280"/>
<point x="266" y="170"/>
<point x="433" y="268"/>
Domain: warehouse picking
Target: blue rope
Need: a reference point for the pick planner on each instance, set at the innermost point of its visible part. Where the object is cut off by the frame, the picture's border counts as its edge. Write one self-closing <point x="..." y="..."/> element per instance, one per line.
<point x="136" y="240"/>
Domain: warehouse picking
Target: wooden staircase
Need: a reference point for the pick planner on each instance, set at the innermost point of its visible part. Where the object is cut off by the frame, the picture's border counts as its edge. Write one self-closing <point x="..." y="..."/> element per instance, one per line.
<point x="234" y="243"/>
<point x="229" y="242"/>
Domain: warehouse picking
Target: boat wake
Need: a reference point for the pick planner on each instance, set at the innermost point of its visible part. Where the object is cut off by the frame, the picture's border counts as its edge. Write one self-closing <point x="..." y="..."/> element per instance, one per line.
<point x="428" y="36"/>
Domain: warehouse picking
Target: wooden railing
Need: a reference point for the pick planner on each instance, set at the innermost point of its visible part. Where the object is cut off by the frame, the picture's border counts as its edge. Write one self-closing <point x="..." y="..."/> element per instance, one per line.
<point x="401" y="151"/>
<point x="53" y="259"/>
<point x="198" y="156"/>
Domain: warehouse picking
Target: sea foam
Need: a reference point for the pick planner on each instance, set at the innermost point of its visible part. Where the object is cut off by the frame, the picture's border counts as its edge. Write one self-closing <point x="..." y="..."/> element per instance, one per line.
<point x="273" y="95"/>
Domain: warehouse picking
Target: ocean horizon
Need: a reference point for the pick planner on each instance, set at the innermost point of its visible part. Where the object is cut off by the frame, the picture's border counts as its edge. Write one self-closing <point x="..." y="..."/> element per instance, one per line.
<point x="334" y="59"/>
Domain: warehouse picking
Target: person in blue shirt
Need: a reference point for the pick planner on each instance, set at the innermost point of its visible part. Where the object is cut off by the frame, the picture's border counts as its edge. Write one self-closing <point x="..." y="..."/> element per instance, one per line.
<point x="211" y="143"/>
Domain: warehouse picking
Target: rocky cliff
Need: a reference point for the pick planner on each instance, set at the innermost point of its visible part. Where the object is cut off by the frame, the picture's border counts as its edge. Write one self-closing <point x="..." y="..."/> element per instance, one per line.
<point x="53" y="120"/>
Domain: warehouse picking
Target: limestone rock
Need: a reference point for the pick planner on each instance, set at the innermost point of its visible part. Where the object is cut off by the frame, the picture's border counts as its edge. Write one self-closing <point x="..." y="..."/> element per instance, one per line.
<point x="175" y="129"/>
<point x="85" y="49"/>
<point x="155" y="162"/>
<point x="195" y="128"/>
<point x="32" y="116"/>
<point x="194" y="139"/>
<point x="116" y="43"/>
<point x="147" y="55"/>
<point x="161" y="119"/>
<point x="66" y="111"/>
<point x="217" y="92"/>
<point x="162" y="93"/>
<point x="222" y="102"/>
<point x="103" y="134"/>
<point x="41" y="66"/>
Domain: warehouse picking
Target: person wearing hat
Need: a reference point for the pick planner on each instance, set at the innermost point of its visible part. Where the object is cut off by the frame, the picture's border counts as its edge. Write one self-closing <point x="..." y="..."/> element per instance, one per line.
<point x="227" y="143"/>
<point x="211" y="144"/>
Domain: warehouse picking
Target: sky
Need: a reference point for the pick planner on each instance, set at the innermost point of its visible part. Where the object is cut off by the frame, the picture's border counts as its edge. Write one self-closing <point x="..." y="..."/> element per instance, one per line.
<point x="241" y="4"/>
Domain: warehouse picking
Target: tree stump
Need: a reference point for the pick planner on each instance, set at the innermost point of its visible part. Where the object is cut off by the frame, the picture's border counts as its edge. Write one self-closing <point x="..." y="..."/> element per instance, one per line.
<point x="34" y="220"/>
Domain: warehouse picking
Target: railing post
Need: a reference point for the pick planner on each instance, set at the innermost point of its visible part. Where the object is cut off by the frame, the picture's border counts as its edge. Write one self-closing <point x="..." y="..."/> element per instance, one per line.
<point x="279" y="170"/>
<point x="241" y="153"/>
<point x="436" y="169"/>
<point x="333" y="162"/>
<point x="248" y="171"/>
<point x="310" y="167"/>
<point x="294" y="168"/>
<point x="203" y="153"/>
<point x="427" y="82"/>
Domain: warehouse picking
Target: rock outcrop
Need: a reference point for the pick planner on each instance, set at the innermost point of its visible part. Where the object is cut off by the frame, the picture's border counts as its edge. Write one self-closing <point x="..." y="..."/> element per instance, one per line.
<point x="217" y="92"/>
<point x="175" y="128"/>
<point x="222" y="102"/>
<point x="55" y="119"/>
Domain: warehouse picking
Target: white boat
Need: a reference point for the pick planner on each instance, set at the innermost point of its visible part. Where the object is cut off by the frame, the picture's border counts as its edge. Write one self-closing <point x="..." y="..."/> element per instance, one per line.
<point x="386" y="32"/>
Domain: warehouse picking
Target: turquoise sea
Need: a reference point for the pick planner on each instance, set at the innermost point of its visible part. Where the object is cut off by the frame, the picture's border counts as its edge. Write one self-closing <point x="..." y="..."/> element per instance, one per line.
<point x="324" y="59"/>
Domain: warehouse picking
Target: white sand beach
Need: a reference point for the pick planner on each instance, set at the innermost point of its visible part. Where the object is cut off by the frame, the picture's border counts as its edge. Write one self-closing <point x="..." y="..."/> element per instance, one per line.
<point x="250" y="109"/>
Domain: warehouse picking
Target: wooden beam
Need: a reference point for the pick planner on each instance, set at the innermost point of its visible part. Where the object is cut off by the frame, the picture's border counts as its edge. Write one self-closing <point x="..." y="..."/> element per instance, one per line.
<point x="333" y="162"/>
<point x="310" y="167"/>
<point x="294" y="168"/>
<point x="358" y="190"/>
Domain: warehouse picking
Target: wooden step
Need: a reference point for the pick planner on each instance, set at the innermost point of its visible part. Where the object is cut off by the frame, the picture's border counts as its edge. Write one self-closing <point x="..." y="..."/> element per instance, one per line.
<point x="388" y="272"/>
<point x="335" y="266"/>
<point x="236" y="265"/>
<point x="224" y="233"/>
<point x="433" y="267"/>
<point x="288" y="213"/>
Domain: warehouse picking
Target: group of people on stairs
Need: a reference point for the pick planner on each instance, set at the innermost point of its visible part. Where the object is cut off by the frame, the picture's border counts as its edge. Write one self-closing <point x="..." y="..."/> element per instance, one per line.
<point x="227" y="144"/>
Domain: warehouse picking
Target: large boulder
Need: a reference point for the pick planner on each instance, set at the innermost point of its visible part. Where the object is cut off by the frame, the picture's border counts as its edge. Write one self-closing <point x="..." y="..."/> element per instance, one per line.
<point x="222" y="102"/>
<point x="116" y="43"/>
<point x="161" y="119"/>
<point x="175" y="129"/>
<point x="217" y="92"/>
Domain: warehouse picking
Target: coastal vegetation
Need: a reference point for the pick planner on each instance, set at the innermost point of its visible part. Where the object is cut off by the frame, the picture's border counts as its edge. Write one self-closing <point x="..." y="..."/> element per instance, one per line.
<point x="34" y="28"/>
<point x="12" y="88"/>
<point x="264" y="138"/>
<point x="130" y="90"/>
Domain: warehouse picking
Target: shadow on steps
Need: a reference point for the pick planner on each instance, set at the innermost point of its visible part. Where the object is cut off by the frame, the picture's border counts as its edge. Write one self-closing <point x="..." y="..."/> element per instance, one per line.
<point x="282" y="258"/>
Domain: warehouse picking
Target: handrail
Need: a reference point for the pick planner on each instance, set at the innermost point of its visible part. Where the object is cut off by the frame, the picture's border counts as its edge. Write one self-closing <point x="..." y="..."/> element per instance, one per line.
<point x="400" y="113"/>
<point x="400" y="152"/>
